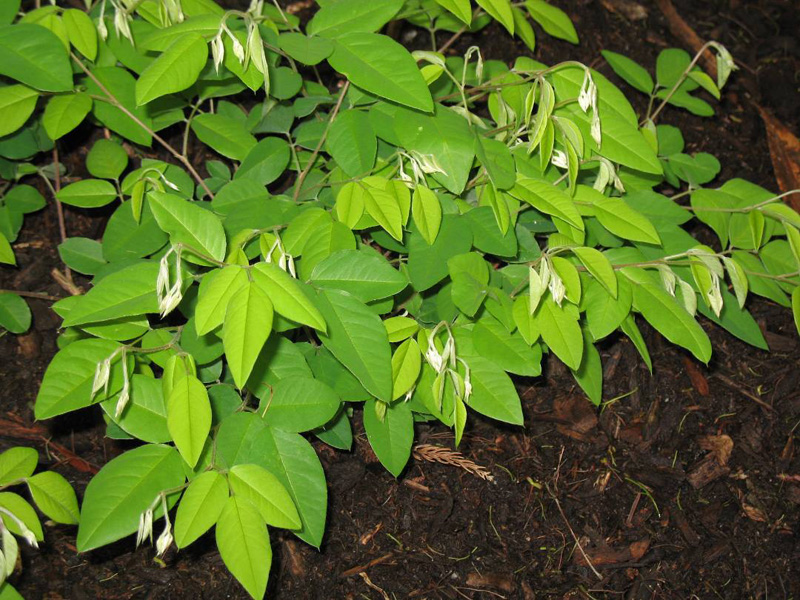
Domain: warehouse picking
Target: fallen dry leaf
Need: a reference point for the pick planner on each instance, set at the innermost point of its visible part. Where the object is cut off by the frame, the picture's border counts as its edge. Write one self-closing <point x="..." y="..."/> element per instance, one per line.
<point x="784" y="150"/>
<point x="720" y="447"/>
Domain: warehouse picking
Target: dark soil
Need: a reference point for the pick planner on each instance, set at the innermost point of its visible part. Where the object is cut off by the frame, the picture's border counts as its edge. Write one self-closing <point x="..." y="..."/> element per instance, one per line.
<point x="630" y="501"/>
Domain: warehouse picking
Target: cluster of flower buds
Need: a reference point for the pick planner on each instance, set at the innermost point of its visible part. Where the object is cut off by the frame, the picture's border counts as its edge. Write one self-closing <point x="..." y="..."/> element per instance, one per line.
<point x="102" y="373"/>
<point x="9" y="545"/>
<point x="251" y="50"/>
<point x="546" y="278"/>
<point x="709" y="262"/>
<point x="169" y="296"/>
<point x="445" y="364"/>
<point x="420" y="165"/>
<point x="587" y="98"/>
<point x="725" y="64"/>
<point x="607" y="173"/>
<point x="145" y="530"/>
<point x="285" y="260"/>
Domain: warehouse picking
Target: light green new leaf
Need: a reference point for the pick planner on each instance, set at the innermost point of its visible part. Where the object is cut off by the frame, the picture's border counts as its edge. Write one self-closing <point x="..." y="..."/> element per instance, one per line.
<point x="599" y="266"/>
<point x="64" y="113"/>
<point x="227" y="136"/>
<point x="621" y="220"/>
<point x="188" y="224"/>
<point x="292" y="459"/>
<point x="248" y="322"/>
<point x="243" y="542"/>
<point x="6" y="251"/>
<point x="287" y="296"/>
<point x="356" y="336"/>
<point x="631" y="71"/>
<point x="265" y="162"/>
<point x="664" y="313"/>
<point x="335" y="19"/>
<point x="122" y="490"/>
<point x="34" y="55"/>
<point x="560" y="331"/>
<point x="406" y="364"/>
<point x="392" y="437"/>
<point x="15" y="315"/>
<point x="383" y="67"/>
<point x="548" y="199"/>
<point x="501" y="11"/>
<point x="553" y="20"/>
<point x="460" y="8"/>
<point x="493" y="392"/>
<point x="300" y="404"/>
<point x="350" y="203"/>
<point x="145" y="416"/>
<point x="267" y="494"/>
<point x="200" y="507"/>
<point x="21" y="509"/>
<point x="383" y="206"/>
<point x="16" y="463"/>
<point x="88" y="193"/>
<point x="400" y="328"/>
<point x="55" y="497"/>
<point x="16" y="105"/>
<point x="175" y="70"/>
<point x="189" y="417"/>
<point x="366" y="275"/>
<point x="216" y="290"/>
<point x="426" y="210"/>
<point x="81" y="32"/>
<point x="128" y="292"/>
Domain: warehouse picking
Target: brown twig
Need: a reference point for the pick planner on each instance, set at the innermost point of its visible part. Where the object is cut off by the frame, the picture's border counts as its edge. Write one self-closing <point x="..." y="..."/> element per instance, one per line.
<point x="37" y="295"/>
<point x="733" y="385"/>
<point x="445" y="456"/>
<point x="372" y="563"/>
<point x="62" y="224"/>
<point x="572" y="533"/>
<point x="302" y="177"/>
<point x="117" y="104"/>
<point x="14" y="428"/>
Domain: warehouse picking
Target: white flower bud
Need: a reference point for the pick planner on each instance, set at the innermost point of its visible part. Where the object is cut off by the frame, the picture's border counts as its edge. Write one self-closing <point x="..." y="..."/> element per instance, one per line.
<point x="559" y="159"/>
<point x="217" y="51"/>
<point x="164" y="540"/>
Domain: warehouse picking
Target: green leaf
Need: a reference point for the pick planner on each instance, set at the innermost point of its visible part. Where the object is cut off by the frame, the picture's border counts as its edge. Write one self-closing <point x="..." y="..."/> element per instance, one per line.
<point x="444" y="138"/>
<point x="548" y="199"/>
<point x="392" y="437"/>
<point x="106" y="160"/>
<point x="426" y="211"/>
<point x="248" y="322"/>
<point x="7" y="592"/>
<point x="304" y="49"/>
<point x="200" y="507"/>
<point x="215" y="293"/>
<point x="186" y="223"/>
<point x="630" y="329"/>
<point x="383" y="67"/>
<point x="427" y="263"/>
<point x="122" y="490"/>
<point x="267" y="494"/>
<point x="293" y="461"/>
<point x="17" y="463"/>
<point x="460" y="8"/>
<point x="128" y="292"/>
<point x="227" y="136"/>
<point x="590" y="374"/>
<point x="599" y="267"/>
<point x="15" y="316"/>
<point x="21" y="509"/>
<point x="352" y="143"/>
<point x="125" y="238"/>
<point x="510" y="352"/>
<point x="604" y="313"/>
<point x="493" y="392"/>
<point x="243" y="543"/>
<point x="81" y="31"/>
<point x="621" y="220"/>
<point x="175" y="70"/>
<point x="299" y="404"/>
<point x="346" y="16"/>
<point x="357" y="338"/>
<point x="89" y="193"/>
<point x="64" y="113"/>
<point x="560" y="331"/>
<point x="8" y="12"/>
<point x="145" y="416"/>
<point x="16" y="105"/>
<point x="67" y="383"/>
<point x="500" y="10"/>
<point x="34" y="55"/>
<point x="265" y="162"/>
<point x="82" y="255"/>
<point x="55" y="497"/>
<point x="382" y="206"/>
<point x="365" y="274"/>
<point x="287" y="296"/>
<point x="553" y="20"/>
<point x="189" y="417"/>
<point x="664" y="313"/>
<point x="631" y="71"/>
<point x="122" y="85"/>
<point x="670" y="65"/>
<point x="6" y="251"/>
<point x="486" y="234"/>
<point x="406" y="364"/>
<point x="796" y="307"/>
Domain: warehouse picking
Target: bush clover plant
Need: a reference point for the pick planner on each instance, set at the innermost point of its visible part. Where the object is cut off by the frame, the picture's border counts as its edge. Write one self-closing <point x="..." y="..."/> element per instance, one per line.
<point x="392" y="250"/>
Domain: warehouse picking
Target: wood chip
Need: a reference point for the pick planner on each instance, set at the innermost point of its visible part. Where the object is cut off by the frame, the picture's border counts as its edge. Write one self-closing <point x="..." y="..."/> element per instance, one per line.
<point x="630" y="10"/>
<point x="784" y="150"/>
<point x="720" y="447"/>
<point x="491" y="580"/>
<point x="706" y="471"/>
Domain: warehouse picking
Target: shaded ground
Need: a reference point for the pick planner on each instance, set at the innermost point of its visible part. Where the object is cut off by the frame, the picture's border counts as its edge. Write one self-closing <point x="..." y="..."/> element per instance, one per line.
<point x="640" y="484"/>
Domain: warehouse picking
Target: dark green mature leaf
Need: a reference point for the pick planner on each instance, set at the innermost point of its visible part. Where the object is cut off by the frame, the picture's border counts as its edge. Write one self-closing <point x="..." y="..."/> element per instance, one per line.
<point x="125" y="238"/>
<point x="366" y="275"/>
<point x="300" y="404"/>
<point x="34" y="55"/>
<point x="493" y="392"/>
<point x="553" y="20"/>
<point x="356" y="336"/>
<point x="227" y="136"/>
<point x="122" y="490"/>
<point x="392" y="437"/>
<point x="15" y="316"/>
<point x="382" y="66"/>
<point x="304" y="49"/>
<point x="188" y="224"/>
<point x="64" y="113"/>
<point x="82" y="254"/>
<point x="89" y="193"/>
<point x="347" y="16"/>
<point x="631" y="71"/>
<point x="493" y="342"/>
<point x="427" y="264"/>
<point x="560" y="331"/>
<point x="265" y="162"/>
<point x="121" y="84"/>
<point x="352" y="143"/>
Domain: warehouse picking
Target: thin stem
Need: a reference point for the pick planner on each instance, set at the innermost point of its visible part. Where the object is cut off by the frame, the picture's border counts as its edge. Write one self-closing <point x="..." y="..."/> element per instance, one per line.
<point x="678" y="83"/>
<point x="117" y="104"/>
<point x="37" y="295"/>
<point x="62" y="225"/>
<point x="302" y="177"/>
<point x="185" y="145"/>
